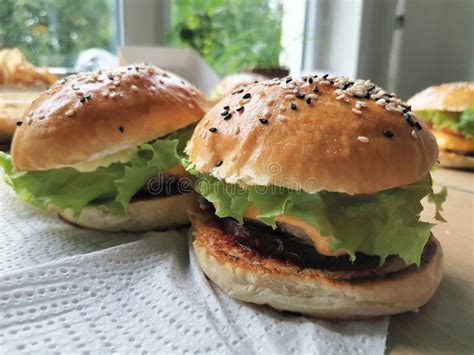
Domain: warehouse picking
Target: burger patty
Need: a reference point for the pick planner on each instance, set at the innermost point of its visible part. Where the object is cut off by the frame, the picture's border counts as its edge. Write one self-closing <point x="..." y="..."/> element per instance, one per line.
<point x="163" y="185"/>
<point x="467" y="154"/>
<point x="280" y="245"/>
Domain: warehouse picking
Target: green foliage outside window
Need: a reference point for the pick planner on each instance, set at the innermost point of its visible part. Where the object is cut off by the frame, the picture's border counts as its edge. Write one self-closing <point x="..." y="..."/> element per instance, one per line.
<point x="231" y="35"/>
<point x="53" y="32"/>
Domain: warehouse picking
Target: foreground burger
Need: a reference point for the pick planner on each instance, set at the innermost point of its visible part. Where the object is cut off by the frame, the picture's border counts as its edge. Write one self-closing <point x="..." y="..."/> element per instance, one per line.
<point x="448" y="110"/>
<point x="233" y="81"/>
<point x="315" y="187"/>
<point x="103" y="149"/>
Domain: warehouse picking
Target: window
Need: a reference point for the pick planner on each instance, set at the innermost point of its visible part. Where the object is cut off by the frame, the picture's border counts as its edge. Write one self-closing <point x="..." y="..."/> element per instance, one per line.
<point x="54" y="32"/>
<point x="230" y="35"/>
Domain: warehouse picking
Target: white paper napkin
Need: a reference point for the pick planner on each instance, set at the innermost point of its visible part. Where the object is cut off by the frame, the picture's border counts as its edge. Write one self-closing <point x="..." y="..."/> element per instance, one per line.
<point x="64" y="289"/>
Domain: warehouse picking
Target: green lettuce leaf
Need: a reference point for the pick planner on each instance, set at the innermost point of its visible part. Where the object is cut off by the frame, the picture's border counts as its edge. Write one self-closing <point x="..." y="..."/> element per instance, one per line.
<point x="385" y="223"/>
<point x="466" y="122"/>
<point x="109" y="187"/>
<point x="462" y="123"/>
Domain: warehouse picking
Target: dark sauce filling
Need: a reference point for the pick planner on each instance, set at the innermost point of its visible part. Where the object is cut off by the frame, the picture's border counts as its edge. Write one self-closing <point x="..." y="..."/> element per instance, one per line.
<point x="279" y="244"/>
<point x="163" y="185"/>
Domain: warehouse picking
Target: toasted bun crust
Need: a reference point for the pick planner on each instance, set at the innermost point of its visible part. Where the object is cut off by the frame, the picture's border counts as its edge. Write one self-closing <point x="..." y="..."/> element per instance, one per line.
<point x="454" y="160"/>
<point x="153" y="214"/>
<point x="333" y="142"/>
<point x="233" y="81"/>
<point x="445" y="97"/>
<point x="249" y="277"/>
<point x="88" y="116"/>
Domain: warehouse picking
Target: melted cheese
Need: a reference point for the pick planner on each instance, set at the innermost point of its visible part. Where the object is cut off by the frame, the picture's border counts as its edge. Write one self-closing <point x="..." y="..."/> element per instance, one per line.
<point x="92" y="165"/>
<point x="177" y="171"/>
<point x="447" y="141"/>
<point x="320" y="243"/>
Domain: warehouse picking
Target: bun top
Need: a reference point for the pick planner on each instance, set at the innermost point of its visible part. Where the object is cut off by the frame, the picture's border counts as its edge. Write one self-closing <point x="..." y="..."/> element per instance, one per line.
<point x="91" y="115"/>
<point x="319" y="133"/>
<point x="455" y="97"/>
<point x="230" y="82"/>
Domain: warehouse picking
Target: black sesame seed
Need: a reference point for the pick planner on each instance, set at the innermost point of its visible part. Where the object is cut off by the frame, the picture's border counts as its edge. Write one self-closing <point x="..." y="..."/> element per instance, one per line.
<point x="228" y="117"/>
<point x="239" y="91"/>
<point x="293" y="106"/>
<point x="224" y="113"/>
<point x="241" y="108"/>
<point x="418" y="125"/>
<point x="316" y="89"/>
<point x="288" y="80"/>
<point x="305" y="79"/>
<point x="300" y="96"/>
<point x="310" y="80"/>
<point x="308" y="100"/>
<point x="82" y="100"/>
<point x="213" y="129"/>
<point x="325" y="76"/>
<point x="19" y="123"/>
<point x="388" y="134"/>
<point x="347" y="85"/>
<point x="219" y="163"/>
<point x="409" y="119"/>
<point x="88" y="96"/>
<point x="263" y="120"/>
<point x="246" y="96"/>
<point x="227" y="108"/>
<point x="255" y="81"/>
<point x="121" y="129"/>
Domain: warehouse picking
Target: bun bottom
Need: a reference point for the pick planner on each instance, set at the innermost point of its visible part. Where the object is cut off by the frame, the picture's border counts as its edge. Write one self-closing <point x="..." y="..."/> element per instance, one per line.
<point x="152" y="214"/>
<point x="456" y="161"/>
<point x="247" y="276"/>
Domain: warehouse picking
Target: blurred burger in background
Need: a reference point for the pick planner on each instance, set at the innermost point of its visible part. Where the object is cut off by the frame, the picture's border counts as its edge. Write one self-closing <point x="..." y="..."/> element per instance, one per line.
<point x="103" y="149"/>
<point x="448" y="110"/>
<point x="20" y="83"/>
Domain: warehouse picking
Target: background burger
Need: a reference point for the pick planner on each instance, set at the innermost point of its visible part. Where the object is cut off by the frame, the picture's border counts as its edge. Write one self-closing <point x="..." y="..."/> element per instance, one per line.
<point x="315" y="187"/>
<point x="89" y="145"/>
<point x="448" y="109"/>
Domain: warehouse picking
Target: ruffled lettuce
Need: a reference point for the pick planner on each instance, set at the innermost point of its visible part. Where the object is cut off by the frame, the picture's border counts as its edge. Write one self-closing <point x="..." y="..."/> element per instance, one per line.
<point x="462" y="123"/>
<point x="110" y="187"/>
<point x="385" y="223"/>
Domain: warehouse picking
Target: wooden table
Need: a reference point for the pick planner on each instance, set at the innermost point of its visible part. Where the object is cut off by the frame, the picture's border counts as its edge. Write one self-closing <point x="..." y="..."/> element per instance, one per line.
<point x="446" y="324"/>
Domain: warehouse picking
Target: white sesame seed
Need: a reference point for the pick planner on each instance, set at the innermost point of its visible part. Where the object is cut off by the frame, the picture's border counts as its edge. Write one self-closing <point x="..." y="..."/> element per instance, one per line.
<point x="313" y="96"/>
<point x="113" y="94"/>
<point x="326" y="82"/>
<point x="361" y="103"/>
<point x="289" y="97"/>
<point x="363" y="139"/>
<point x="69" y="112"/>
<point x="281" y="118"/>
<point x="236" y="130"/>
<point x="358" y="106"/>
<point x="233" y="157"/>
<point x="357" y="112"/>
<point x="340" y="97"/>
<point x="389" y="107"/>
<point x="380" y="102"/>
<point x="190" y="105"/>
<point x="414" y="134"/>
<point x="296" y="90"/>
<point x="339" y="92"/>
<point x="105" y="93"/>
<point x="270" y="102"/>
<point x="347" y="100"/>
<point x="266" y="113"/>
<point x="134" y="88"/>
<point x="282" y="108"/>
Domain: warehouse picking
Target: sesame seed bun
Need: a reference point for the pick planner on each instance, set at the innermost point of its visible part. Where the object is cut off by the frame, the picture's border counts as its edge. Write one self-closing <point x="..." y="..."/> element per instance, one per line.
<point x="233" y="81"/>
<point x="455" y="97"/>
<point x="313" y="134"/>
<point x="92" y="115"/>
<point x="151" y="214"/>
<point x="349" y="294"/>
